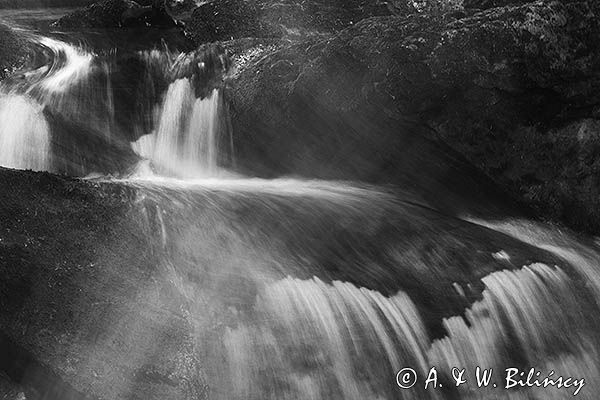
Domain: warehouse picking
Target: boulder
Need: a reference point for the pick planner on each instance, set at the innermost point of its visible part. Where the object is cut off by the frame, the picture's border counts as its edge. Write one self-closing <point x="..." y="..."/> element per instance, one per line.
<point x="318" y="15"/>
<point x="385" y="99"/>
<point x="116" y="14"/>
<point x="232" y="19"/>
<point x="14" y="50"/>
<point x="485" y="4"/>
<point x="223" y="20"/>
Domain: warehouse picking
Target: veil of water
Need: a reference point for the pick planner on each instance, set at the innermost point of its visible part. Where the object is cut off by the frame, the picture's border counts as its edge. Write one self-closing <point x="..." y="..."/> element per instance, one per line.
<point x="102" y="102"/>
<point x="299" y="289"/>
<point x="24" y="134"/>
<point x="186" y="137"/>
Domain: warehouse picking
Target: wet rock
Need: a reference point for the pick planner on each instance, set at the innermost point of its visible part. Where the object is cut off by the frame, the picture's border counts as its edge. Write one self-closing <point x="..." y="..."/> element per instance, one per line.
<point x="232" y="19"/>
<point x="116" y="14"/>
<point x="318" y="15"/>
<point x="14" y="50"/>
<point x="485" y="4"/>
<point x="69" y="297"/>
<point x="223" y="20"/>
<point x="79" y="150"/>
<point x="492" y="85"/>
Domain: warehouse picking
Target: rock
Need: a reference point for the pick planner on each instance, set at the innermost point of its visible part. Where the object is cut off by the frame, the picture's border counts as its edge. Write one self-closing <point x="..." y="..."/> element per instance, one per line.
<point x="232" y="19"/>
<point x="485" y="4"/>
<point x="116" y="14"/>
<point x="518" y="79"/>
<point x="79" y="150"/>
<point x="180" y="10"/>
<point x="318" y="15"/>
<point x="348" y="108"/>
<point x="223" y="20"/>
<point x="81" y="317"/>
<point x="9" y="390"/>
<point x="381" y="100"/>
<point x="14" y="50"/>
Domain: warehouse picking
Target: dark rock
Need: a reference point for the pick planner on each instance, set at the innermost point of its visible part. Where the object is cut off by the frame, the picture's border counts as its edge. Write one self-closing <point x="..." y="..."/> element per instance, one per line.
<point x="348" y="108"/>
<point x="78" y="150"/>
<point x="68" y="331"/>
<point x="518" y="79"/>
<point x="485" y="4"/>
<point x="205" y="67"/>
<point x="375" y="101"/>
<point x="232" y="19"/>
<point x="223" y="20"/>
<point x="14" y="50"/>
<point x="318" y="15"/>
<point x="116" y="14"/>
<point x="180" y="10"/>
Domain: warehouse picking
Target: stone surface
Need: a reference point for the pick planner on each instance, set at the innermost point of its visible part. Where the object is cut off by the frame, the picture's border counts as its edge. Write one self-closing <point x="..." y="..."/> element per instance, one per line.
<point x="14" y="50"/>
<point x="233" y="19"/>
<point x="501" y="87"/>
<point x="116" y="14"/>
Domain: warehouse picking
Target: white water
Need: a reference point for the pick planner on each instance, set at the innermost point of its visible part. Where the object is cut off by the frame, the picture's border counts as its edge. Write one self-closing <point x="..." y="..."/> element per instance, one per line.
<point x="353" y="337"/>
<point x="530" y="315"/>
<point x="312" y="340"/>
<point x="186" y="139"/>
<point x="24" y="134"/>
<point x="76" y="86"/>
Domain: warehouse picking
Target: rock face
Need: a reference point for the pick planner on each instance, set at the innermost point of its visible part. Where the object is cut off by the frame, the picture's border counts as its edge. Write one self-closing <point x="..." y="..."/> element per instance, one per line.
<point x="116" y="14"/>
<point x="14" y="51"/>
<point x="522" y="86"/>
<point x="232" y="19"/>
<point x="512" y="89"/>
<point x="223" y="20"/>
<point x="485" y="4"/>
<point x="64" y="269"/>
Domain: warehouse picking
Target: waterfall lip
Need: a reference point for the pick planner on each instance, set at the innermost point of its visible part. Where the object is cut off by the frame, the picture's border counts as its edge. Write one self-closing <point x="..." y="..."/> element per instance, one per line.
<point x="289" y="187"/>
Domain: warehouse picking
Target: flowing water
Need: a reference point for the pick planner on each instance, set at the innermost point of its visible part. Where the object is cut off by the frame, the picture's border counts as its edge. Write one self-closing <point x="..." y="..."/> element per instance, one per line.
<point x="321" y="289"/>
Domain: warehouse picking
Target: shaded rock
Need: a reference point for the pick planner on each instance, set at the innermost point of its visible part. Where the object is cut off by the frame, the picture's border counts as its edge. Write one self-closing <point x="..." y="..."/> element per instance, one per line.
<point x="116" y="14"/>
<point x="348" y="108"/>
<point x="14" y="50"/>
<point x="232" y="19"/>
<point x="223" y="20"/>
<point x="515" y="77"/>
<point x="318" y="15"/>
<point x="69" y="296"/>
<point x="9" y="390"/>
<point x="79" y="150"/>
<point x="376" y="100"/>
<point x="180" y="10"/>
<point x="485" y="4"/>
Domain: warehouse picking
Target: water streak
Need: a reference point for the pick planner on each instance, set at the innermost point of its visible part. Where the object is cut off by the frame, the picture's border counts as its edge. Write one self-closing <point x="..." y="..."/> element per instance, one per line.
<point x="24" y="134"/>
<point x="185" y="143"/>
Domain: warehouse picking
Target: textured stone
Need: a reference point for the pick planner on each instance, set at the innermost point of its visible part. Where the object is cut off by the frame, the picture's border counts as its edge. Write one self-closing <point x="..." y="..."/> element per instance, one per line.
<point x="496" y="86"/>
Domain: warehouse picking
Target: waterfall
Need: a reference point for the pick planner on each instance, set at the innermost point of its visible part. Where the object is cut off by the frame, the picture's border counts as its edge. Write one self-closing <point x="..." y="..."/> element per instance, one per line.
<point x="352" y="337"/>
<point x="103" y="111"/>
<point x="186" y="139"/>
<point x="312" y="340"/>
<point x="526" y="318"/>
<point x="24" y="134"/>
